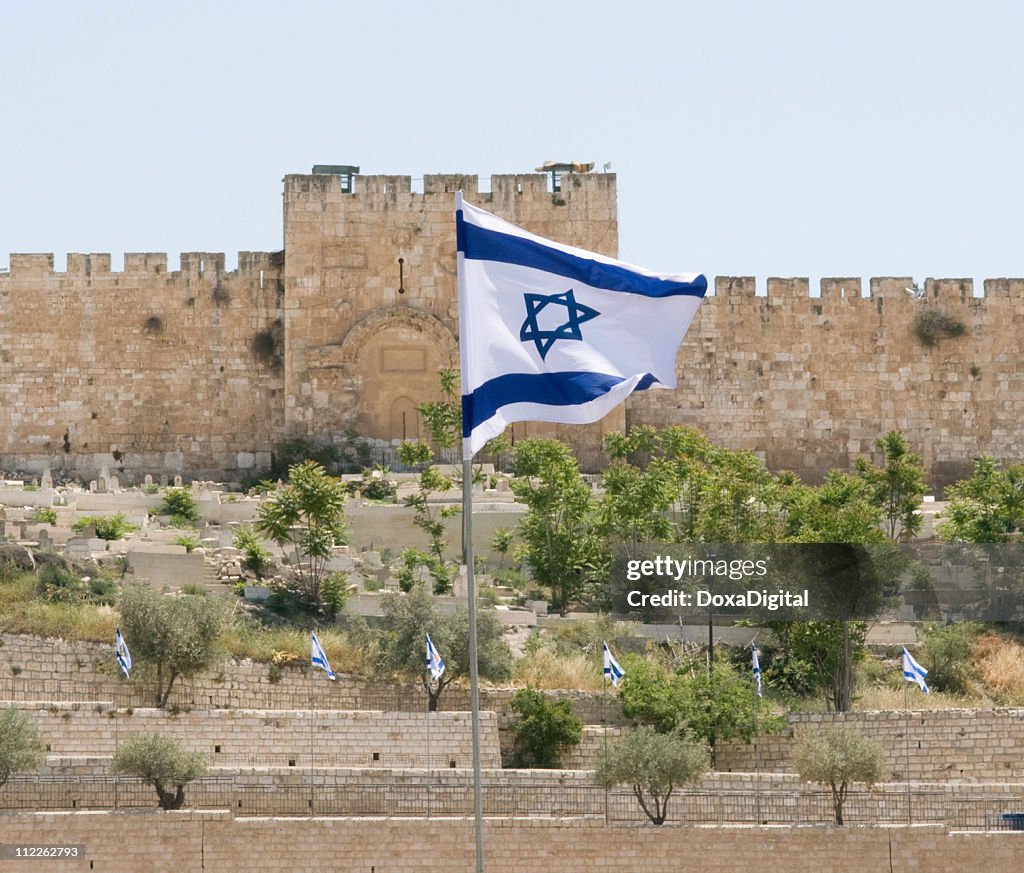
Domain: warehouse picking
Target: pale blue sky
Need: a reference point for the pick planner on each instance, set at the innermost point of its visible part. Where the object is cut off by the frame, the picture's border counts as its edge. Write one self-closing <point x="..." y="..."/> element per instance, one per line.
<point x="799" y="138"/>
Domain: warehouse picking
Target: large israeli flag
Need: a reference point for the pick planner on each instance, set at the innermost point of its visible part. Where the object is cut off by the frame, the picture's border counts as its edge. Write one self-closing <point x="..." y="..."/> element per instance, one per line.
<point x="553" y="333"/>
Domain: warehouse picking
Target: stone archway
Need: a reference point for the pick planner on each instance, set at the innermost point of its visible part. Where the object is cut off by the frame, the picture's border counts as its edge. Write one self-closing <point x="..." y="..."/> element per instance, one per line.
<point x="392" y="359"/>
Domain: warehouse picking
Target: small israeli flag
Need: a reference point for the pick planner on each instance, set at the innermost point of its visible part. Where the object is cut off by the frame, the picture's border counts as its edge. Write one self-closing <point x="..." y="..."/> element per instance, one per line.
<point x="757" y="668"/>
<point x="612" y="670"/>
<point x="434" y="663"/>
<point x="124" y="657"/>
<point x="319" y="659"/>
<point x="914" y="672"/>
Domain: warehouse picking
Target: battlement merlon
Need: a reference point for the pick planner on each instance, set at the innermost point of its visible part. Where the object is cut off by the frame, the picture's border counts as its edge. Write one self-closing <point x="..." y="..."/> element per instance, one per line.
<point x="139" y="263"/>
<point x="326" y="187"/>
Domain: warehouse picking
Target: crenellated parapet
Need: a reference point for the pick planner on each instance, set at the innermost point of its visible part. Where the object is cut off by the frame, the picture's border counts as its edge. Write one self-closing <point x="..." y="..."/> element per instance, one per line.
<point x="851" y="288"/>
<point x="139" y="263"/>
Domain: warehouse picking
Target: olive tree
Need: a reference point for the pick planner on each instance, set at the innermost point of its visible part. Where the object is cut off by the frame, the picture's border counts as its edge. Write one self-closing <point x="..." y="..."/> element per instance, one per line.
<point x="162" y="762"/>
<point x="836" y="758"/>
<point x="173" y="635"/>
<point x="653" y="765"/>
<point x="401" y="647"/>
<point x="21" y="750"/>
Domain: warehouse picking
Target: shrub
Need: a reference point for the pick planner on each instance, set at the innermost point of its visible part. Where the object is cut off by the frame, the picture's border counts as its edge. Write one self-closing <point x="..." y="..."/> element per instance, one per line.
<point x="544" y="728"/>
<point x="179" y="503"/>
<point x="254" y="554"/>
<point x="45" y="515"/>
<point x="108" y="527"/>
<point x="947" y="650"/>
<point x="931" y="325"/>
<point x="103" y="590"/>
<point x="60" y="585"/>
<point x="188" y="541"/>
<point x="162" y="762"/>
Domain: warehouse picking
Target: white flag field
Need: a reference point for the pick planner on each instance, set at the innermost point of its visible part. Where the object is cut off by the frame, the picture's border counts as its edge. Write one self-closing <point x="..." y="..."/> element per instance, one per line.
<point x="553" y="333"/>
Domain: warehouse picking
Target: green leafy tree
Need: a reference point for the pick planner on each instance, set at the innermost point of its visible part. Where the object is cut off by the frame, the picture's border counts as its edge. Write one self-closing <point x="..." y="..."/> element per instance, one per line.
<point x="897" y="486"/>
<point x="988" y="507"/>
<point x="443" y="418"/>
<point x="308" y="516"/>
<point x="652" y="764"/>
<point x="544" y="728"/>
<point x="561" y="540"/>
<point x="819" y="657"/>
<point x="854" y="573"/>
<point x="21" y="750"/>
<point x="713" y="704"/>
<point x="400" y="650"/>
<point x="836" y="758"/>
<point x="430" y="516"/>
<point x="172" y="635"/>
<point x="501" y="541"/>
<point x="162" y="762"/>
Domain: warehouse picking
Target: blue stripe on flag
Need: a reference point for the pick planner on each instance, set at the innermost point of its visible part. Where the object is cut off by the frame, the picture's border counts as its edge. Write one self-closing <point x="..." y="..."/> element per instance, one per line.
<point x="546" y="389"/>
<point x="482" y="244"/>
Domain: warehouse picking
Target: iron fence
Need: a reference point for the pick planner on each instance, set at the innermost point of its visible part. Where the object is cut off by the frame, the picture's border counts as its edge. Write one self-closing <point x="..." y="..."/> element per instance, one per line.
<point x="333" y="794"/>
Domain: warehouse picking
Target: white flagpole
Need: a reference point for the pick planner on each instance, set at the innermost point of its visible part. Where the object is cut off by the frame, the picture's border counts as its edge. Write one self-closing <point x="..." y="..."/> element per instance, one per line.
<point x="467" y="527"/>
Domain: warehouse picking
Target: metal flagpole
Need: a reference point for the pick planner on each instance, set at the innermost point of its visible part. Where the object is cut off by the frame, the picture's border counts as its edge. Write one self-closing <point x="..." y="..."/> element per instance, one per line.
<point x="116" y="747"/>
<point x="604" y="719"/>
<point x="757" y="751"/>
<point x="312" y="743"/>
<point x="428" y="749"/>
<point x="474" y="682"/>
<point x="906" y="735"/>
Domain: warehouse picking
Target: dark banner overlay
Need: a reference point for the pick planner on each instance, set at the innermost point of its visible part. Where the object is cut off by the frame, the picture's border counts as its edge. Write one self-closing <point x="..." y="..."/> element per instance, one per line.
<point x="662" y="582"/>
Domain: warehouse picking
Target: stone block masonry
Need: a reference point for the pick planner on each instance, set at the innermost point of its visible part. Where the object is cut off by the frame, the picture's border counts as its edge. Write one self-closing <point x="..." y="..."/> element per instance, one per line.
<point x="144" y="371"/>
<point x="190" y="841"/>
<point x="277" y="738"/>
<point x="202" y="372"/>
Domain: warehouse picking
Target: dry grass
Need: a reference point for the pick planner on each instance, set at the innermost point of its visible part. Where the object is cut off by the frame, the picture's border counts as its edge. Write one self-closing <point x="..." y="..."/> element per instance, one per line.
<point x="889" y="699"/>
<point x="21" y="613"/>
<point x="548" y="671"/>
<point x="287" y="645"/>
<point x="1000" y="667"/>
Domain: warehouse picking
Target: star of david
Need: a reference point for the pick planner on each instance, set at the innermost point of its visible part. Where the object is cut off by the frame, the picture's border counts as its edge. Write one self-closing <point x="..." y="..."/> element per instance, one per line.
<point x="576" y="314"/>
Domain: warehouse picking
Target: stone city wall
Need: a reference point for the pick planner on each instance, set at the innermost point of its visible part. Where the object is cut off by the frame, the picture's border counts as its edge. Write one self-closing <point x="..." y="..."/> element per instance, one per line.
<point x="193" y="840"/>
<point x="145" y="370"/>
<point x="809" y="383"/>
<point x="201" y="371"/>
